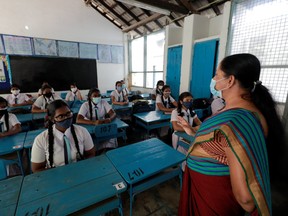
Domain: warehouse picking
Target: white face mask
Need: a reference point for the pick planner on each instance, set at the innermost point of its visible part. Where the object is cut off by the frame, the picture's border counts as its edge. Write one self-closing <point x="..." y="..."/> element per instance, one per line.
<point x="160" y="87"/>
<point x="15" y="92"/>
<point x="73" y="90"/>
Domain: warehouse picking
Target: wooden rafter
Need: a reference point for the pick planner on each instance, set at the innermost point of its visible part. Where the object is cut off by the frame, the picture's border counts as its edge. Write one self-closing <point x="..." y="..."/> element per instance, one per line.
<point x="173" y="18"/>
<point x="215" y="8"/>
<point x="143" y="22"/>
<point x="148" y="13"/>
<point x="187" y="4"/>
<point x="205" y="7"/>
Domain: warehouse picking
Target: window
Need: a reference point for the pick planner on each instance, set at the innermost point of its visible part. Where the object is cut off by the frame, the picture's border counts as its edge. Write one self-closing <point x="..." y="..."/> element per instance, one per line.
<point x="146" y="60"/>
<point x="260" y="27"/>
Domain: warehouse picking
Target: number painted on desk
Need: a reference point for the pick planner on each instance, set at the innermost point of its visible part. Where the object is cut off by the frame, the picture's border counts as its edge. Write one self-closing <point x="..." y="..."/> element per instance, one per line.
<point x="40" y="211"/>
<point x="105" y="129"/>
<point x="136" y="173"/>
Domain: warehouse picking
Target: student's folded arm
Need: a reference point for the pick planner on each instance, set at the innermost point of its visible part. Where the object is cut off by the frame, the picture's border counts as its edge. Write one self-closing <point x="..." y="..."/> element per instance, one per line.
<point x="90" y="153"/>
<point x="36" y="109"/>
<point x="81" y="120"/>
<point x="112" y="114"/>
<point x="162" y="108"/>
<point x="37" y="167"/>
<point x="176" y="126"/>
<point x="14" y="130"/>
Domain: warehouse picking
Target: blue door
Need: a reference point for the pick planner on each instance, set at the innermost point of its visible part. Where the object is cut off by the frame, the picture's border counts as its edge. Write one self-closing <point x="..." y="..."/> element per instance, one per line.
<point x="203" y="68"/>
<point x="174" y="60"/>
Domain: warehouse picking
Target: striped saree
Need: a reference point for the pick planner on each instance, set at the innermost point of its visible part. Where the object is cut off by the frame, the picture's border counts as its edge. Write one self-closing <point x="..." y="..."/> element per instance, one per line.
<point x="206" y="184"/>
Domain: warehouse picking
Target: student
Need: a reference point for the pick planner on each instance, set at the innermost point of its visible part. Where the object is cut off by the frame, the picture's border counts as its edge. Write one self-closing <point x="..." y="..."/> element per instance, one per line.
<point x="95" y="112"/>
<point x="165" y="102"/>
<point x="125" y="89"/>
<point x="217" y="104"/>
<point x="184" y="109"/>
<point x="158" y="90"/>
<point x="118" y="96"/>
<point x="62" y="143"/>
<point x="16" y="98"/>
<point x="46" y="98"/>
<point x="44" y="84"/>
<point x="9" y="124"/>
<point x="74" y="94"/>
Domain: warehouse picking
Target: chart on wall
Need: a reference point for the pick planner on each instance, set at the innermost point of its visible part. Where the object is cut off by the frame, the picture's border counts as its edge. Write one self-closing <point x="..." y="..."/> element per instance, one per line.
<point x="117" y="54"/>
<point x="17" y="45"/>
<point x="88" y="50"/>
<point x="1" y="46"/>
<point x="45" y="47"/>
<point x="68" y="49"/>
<point x="104" y="53"/>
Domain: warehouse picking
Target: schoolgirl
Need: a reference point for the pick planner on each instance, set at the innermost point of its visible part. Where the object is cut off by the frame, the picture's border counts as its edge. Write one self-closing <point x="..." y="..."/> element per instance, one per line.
<point x="165" y="102"/>
<point x="158" y="90"/>
<point x="118" y="97"/>
<point x="74" y="93"/>
<point x="16" y="98"/>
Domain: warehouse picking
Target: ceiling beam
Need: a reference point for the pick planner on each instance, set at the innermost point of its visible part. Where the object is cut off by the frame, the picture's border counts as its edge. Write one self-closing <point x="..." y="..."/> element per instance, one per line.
<point x="148" y="13"/>
<point x="214" y="7"/>
<point x="205" y="7"/>
<point x="104" y="14"/>
<point x="162" y="4"/>
<point x="143" y="22"/>
<point x="132" y="15"/>
<point x="187" y="4"/>
<point x="173" y="18"/>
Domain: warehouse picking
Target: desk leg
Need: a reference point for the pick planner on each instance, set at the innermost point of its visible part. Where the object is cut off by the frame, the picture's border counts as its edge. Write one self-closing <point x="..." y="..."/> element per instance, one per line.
<point x="21" y="162"/>
<point x="131" y="199"/>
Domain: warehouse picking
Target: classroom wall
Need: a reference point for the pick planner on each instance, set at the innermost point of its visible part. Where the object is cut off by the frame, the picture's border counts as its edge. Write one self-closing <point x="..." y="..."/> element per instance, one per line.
<point x="69" y="20"/>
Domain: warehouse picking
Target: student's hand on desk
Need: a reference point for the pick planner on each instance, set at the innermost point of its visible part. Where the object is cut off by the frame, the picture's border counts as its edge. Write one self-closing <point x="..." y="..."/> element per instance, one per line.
<point x="107" y="120"/>
<point x="1" y="135"/>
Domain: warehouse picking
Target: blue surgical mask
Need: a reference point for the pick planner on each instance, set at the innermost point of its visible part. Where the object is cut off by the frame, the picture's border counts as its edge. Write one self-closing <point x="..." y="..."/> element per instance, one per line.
<point x="123" y="86"/>
<point x="119" y="88"/>
<point x="216" y="93"/>
<point x="66" y="123"/>
<point x="188" y="105"/>
<point x="96" y="100"/>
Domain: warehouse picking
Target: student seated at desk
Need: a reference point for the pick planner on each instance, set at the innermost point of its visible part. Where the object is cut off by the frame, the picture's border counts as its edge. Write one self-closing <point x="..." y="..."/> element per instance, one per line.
<point x="184" y="109"/>
<point x="125" y="89"/>
<point x="62" y="143"/>
<point x="158" y="90"/>
<point x="165" y="102"/>
<point x="16" y="98"/>
<point x="97" y="111"/>
<point x="74" y="94"/>
<point x="40" y="92"/>
<point x="46" y="98"/>
<point x="9" y="123"/>
<point x="118" y="97"/>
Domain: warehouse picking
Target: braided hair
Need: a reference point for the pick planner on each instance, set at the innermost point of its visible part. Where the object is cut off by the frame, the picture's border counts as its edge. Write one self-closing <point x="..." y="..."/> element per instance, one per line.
<point x="91" y="91"/>
<point x="6" y="114"/>
<point x="51" y="109"/>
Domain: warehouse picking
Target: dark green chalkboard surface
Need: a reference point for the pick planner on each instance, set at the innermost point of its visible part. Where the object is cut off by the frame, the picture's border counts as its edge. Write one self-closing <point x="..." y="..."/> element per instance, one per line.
<point x="29" y="72"/>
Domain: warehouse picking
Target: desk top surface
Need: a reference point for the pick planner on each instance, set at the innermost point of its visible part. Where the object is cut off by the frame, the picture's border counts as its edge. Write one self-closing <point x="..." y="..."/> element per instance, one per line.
<point x="9" y="193"/>
<point x="152" y="116"/>
<point x="30" y="136"/>
<point x="12" y="143"/>
<point x="138" y="161"/>
<point x="122" y="107"/>
<point x="67" y="189"/>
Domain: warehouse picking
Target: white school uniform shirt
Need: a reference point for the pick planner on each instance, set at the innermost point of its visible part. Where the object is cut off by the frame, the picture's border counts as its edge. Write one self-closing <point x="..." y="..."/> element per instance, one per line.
<point x="21" y="98"/>
<point x="71" y="96"/>
<point x="159" y="100"/>
<point x="42" y="101"/>
<point x="119" y="97"/>
<point x="40" y="91"/>
<point x="102" y="108"/>
<point x="40" y="148"/>
<point x="12" y="122"/>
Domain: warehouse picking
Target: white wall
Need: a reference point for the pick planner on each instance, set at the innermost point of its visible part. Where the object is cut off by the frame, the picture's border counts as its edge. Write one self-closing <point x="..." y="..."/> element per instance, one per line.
<point x="69" y="20"/>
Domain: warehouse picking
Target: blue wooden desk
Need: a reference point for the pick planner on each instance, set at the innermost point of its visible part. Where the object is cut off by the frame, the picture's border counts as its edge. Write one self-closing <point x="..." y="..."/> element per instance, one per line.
<point x="9" y="193"/>
<point x="24" y="118"/>
<point x="68" y="189"/>
<point x="24" y="107"/>
<point x="146" y="164"/>
<point x="14" y="143"/>
<point x="122" y="107"/>
<point x="30" y="136"/>
<point x="153" y="119"/>
<point x="121" y="125"/>
<point x="184" y="140"/>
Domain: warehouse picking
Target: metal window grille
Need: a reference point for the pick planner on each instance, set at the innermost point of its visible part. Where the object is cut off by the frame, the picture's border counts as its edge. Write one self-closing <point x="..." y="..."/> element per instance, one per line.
<point x="260" y="27"/>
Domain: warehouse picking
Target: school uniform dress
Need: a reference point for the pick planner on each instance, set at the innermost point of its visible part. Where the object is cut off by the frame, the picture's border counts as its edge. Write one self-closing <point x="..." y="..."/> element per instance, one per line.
<point x="40" y="148"/>
<point x="71" y="96"/>
<point x="165" y="100"/>
<point x="189" y="118"/>
<point x="119" y="97"/>
<point x="41" y="102"/>
<point x="154" y="92"/>
<point x="40" y="91"/>
<point x="98" y="113"/>
<point x="12" y="120"/>
<point x="17" y="99"/>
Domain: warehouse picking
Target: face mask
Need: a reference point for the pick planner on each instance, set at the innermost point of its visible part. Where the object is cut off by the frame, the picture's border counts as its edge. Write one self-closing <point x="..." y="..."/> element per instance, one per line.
<point x="160" y="87"/>
<point x="188" y="105"/>
<point x="73" y="90"/>
<point x="48" y="95"/>
<point x="66" y="123"/>
<point x="123" y="86"/>
<point x="216" y="93"/>
<point x="15" y="92"/>
<point x="167" y="94"/>
<point x="96" y="100"/>
<point x="119" y="88"/>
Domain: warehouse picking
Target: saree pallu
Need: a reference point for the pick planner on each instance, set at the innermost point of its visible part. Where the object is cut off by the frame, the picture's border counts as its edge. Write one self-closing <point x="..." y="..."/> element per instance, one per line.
<point x="206" y="184"/>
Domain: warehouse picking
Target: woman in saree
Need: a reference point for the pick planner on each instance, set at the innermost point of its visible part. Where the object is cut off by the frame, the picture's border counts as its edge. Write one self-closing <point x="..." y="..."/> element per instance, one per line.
<point x="227" y="169"/>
